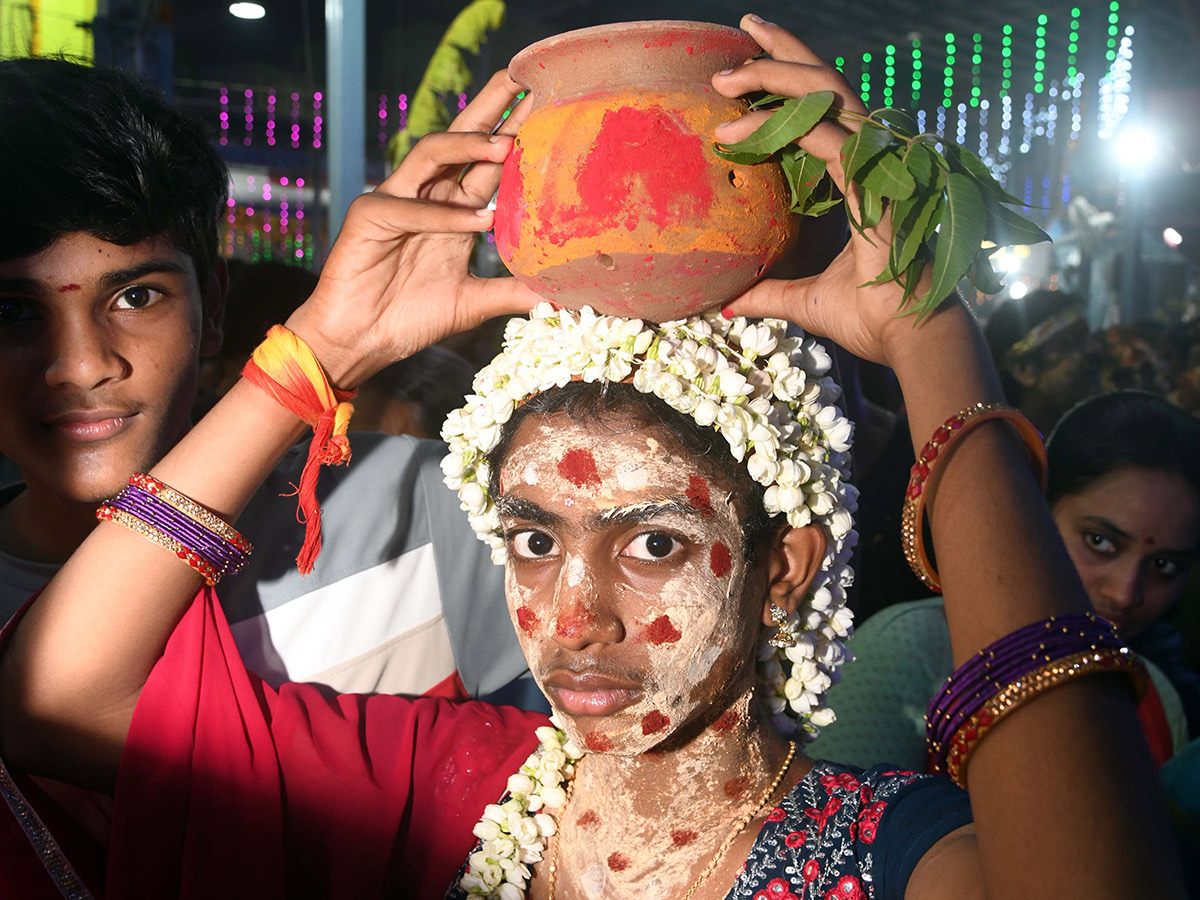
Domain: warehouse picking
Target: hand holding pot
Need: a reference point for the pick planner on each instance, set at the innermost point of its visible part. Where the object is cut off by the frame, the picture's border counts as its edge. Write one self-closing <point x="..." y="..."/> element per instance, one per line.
<point x="834" y="303"/>
<point x="397" y="279"/>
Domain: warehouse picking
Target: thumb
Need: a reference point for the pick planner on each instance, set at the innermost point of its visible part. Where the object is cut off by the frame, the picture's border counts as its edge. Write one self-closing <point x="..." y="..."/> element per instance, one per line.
<point x="501" y="296"/>
<point x="776" y="298"/>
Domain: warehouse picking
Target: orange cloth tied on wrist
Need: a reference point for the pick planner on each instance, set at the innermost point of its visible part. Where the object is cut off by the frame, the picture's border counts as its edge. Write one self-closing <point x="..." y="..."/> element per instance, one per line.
<point x="284" y="367"/>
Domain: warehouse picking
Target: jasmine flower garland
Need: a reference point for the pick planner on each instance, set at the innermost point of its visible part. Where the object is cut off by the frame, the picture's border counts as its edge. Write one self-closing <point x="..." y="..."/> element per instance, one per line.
<point x="767" y="393"/>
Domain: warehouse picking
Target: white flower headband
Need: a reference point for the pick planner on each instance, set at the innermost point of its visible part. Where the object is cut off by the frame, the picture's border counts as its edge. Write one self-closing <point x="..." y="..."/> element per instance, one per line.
<point x="766" y="392"/>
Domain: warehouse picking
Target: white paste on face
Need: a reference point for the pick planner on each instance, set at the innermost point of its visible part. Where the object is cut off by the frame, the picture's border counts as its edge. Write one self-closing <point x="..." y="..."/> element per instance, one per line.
<point x="531" y="474"/>
<point x="593" y="881"/>
<point x="576" y="571"/>
<point x="631" y="477"/>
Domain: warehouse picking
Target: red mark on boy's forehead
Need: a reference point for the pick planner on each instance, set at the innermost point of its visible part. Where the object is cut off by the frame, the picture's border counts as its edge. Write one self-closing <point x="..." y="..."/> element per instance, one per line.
<point x="735" y="787"/>
<point x="1149" y="542"/>
<point x="720" y="560"/>
<point x="70" y="287"/>
<point x="726" y="722"/>
<point x="698" y="496"/>
<point x="598" y="742"/>
<point x="682" y="837"/>
<point x="527" y="619"/>
<point x="588" y="818"/>
<point x="654" y="722"/>
<point x="579" y="468"/>
<point x="618" y="862"/>
<point x="662" y="631"/>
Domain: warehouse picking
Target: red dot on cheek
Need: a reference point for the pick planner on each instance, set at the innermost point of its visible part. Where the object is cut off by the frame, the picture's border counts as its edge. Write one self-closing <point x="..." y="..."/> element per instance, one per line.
<point x="527" y="619"/>
<point x="654" y="722"/>
<point x="682" y="837"/>
<point x="579" y="468"/>
<point x="735" y="787"/>
<point x="618" y="862"/>
<point x="726" y="722"/>
<point x="720" y="560"/>
<point x="600" y="743"/>
<point x="662" y="631"/>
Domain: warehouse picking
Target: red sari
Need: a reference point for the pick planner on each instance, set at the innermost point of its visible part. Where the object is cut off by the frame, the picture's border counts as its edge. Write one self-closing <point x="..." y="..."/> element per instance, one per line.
<point x="229" y="789"/>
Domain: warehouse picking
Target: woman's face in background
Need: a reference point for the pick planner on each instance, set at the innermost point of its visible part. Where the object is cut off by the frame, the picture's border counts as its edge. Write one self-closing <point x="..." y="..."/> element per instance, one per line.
<point x="1134" y="536"/>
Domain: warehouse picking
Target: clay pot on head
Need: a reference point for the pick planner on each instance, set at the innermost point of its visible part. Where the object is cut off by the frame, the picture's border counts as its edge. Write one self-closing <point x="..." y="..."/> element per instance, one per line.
<point x="613" y="196"/>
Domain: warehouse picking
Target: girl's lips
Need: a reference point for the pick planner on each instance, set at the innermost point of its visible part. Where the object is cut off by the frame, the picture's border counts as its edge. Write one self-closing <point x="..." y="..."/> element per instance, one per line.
<point x="594" y="702"/>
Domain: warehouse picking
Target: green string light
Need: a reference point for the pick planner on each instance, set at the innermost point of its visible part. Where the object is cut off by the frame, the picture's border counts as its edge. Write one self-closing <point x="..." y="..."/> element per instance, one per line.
<point x="1039" y="56"/>
<point x="1113" y="9"/>
<point x="948" y="71"/>
<point x="916" y="71"/>
<point x="840" y="63"/>
<point x="1073" y="45"/>
<point x="889" y="73"/>
<point x="866" y="79"/>
<point x="976" y="59"/>
<point x="1006" y="61"/>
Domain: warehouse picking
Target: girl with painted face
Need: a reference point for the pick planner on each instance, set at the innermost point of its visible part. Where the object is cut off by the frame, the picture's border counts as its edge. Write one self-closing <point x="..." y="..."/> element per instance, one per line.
<point x="639" y="580"/>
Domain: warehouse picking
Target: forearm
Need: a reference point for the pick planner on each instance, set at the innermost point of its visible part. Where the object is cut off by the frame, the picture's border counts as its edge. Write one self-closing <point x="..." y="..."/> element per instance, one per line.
<point x="1062" y="784"/>
<point x="78" y="660"/>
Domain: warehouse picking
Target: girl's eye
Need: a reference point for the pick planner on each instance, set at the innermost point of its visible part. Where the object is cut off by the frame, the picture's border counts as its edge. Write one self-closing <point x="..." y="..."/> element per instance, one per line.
<point x="1165" y="568"/>
<point x="1099" y="543"/>
<point x="653" y="545"/>
<point x="531" y="544"/>
<point x="137" y="297"/>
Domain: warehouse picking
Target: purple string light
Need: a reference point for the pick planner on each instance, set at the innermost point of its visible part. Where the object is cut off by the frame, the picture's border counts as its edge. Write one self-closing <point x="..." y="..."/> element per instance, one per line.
<point x="224" y="116"/>
<point x="402" y="107"/>
<point x="248" y="109"/>
<point x="383" y="106"/>
<point x="295" y="135"/>
<point x="271" y="117"/>
<point x="317" y="120"/>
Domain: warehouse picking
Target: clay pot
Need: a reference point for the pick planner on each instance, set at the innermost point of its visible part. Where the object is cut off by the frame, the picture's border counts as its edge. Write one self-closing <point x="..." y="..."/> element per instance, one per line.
<point x="613" y="196"/>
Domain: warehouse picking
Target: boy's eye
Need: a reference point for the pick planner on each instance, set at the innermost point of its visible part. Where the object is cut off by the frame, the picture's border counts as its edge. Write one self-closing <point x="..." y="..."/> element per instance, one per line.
<point x="531" y="544"/>
<point x="13" y="310"/>
<point x="137" y="297"/>
<point x="653" y="545"/>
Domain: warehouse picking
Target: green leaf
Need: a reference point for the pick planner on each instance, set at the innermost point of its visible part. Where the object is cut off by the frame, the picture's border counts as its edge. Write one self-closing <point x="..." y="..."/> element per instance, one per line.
<point x="919" y="161"/>
<point x="870" y="207"/>
<point x="963" y="225"/>
<point x="887" y="176"/>
<point x="897" y="120"/>
<point x="741" y="159"/>
<point x="963" y="160"/>
<point x="863" y="146"/>
<point x="768" y="99"/>
<point x="983" y="276"/>
<point x="820" y="207"/>
<point x="915" y="225"/>
<point x="1007" y="228"/>
<point x="803" y="172"/>
<point x="795" y="118"/>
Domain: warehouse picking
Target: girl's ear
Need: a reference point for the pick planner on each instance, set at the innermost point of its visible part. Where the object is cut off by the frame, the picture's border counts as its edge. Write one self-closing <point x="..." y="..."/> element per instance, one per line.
<point x="794" y="558"/>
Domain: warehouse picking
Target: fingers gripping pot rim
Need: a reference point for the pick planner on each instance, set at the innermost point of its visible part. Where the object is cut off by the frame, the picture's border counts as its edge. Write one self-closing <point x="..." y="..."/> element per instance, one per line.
<point x="767" y="393"/>
<point x="613" y="196"/>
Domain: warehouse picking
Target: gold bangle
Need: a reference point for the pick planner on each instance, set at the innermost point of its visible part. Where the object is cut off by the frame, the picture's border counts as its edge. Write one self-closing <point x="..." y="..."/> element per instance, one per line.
<point x="1037" y="682"/>
<point x="155" y="536"/>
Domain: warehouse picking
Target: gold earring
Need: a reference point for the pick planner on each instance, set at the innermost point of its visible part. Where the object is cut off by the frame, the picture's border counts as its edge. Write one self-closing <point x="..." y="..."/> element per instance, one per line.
<point x="783" y="638"/>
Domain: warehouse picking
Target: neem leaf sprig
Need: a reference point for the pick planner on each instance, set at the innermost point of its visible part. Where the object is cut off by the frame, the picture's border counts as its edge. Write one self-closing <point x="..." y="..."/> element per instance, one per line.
<point x="944" y="201"/>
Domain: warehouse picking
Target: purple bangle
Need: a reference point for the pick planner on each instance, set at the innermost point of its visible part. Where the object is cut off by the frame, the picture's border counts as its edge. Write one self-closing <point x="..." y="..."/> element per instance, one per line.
<point x="225" y="557"/>
<point x="1005" y="663"/>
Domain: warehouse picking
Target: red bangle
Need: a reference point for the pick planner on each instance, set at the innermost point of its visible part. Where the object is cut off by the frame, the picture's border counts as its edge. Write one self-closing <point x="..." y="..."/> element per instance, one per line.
<point x="911" y="519"/>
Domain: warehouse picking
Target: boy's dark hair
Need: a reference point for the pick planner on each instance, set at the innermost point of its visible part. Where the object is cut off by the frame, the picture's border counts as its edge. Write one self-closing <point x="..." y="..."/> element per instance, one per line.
<point x="1119" y="430"/>
<point x="92" y="150"/>
<point x="585" y="402"/>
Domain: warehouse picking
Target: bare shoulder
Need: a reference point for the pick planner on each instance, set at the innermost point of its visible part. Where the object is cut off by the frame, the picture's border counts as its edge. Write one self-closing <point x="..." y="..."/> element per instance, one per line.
<point x="949" y="870"/>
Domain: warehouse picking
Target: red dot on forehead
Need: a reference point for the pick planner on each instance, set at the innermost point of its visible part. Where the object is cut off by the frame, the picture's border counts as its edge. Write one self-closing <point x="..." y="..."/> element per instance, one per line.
<point x="662" y="631"/>
<point x="720" y="560"/>
<point x="598" y="742"/>
<point x="726" y="722"/>
<point x="654" y="722"/>
<point x="618" y="862"/>
<point x="697" y="494"/>
<point x="70" y="287"/>
<point x="527" y="619"/>
<point x="1149" y="542"/>
<point x="579" y="468"/>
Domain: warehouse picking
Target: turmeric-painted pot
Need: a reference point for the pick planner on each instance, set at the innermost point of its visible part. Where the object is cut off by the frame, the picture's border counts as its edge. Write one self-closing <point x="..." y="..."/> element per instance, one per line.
<point x="613" y="196"/>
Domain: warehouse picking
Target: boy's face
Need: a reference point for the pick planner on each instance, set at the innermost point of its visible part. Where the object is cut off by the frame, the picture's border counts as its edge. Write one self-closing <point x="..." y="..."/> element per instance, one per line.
<point x="99" y="346"/>
<point x="626" y="581"/>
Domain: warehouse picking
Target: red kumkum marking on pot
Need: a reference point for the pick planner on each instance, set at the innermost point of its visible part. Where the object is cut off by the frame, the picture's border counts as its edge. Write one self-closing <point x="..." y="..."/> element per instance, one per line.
<point x="726" y="722"/>
<point x="735" y="787"/>
<point x="598" y="742"/>
<point x="618" y="862"/>
<point x="662" y="631"/>
<point x="720" y="560"/>
<point x="682" y="837"/>
<point x="510" y="205"/>
<point x="698" y="495"/>
<point x="654" y="722"/>
<point x="579" y="468"/>
<point x="527" y="619"/>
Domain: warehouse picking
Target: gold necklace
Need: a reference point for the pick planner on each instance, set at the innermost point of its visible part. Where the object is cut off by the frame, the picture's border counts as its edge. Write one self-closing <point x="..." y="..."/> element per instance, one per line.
<point x="737" y="829"/>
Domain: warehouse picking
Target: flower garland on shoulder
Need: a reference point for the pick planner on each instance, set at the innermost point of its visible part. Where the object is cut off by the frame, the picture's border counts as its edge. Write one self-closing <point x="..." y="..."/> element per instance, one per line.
<point x="766" y="391"/>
